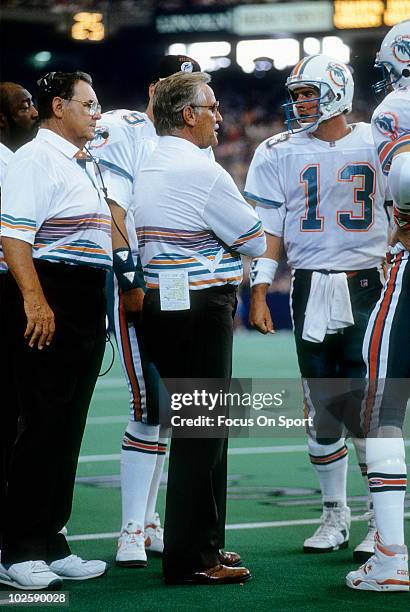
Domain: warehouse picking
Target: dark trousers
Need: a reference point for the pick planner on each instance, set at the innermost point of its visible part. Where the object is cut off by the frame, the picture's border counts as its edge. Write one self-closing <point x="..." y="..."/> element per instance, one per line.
<point x="193" y="344"/>
<point x="8" y="413"/>
<point x="334" y="370"/>
<point x="52" y="390"/>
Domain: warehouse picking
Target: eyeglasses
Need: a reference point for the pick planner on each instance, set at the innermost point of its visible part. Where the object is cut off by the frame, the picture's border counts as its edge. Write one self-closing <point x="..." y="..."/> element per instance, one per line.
<point x="93" y="107"/>
<point x="214" y="108"/>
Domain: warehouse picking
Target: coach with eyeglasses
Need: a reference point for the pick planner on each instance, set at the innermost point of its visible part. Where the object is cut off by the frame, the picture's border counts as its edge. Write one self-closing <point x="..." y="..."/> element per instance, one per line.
<point x="192" y="226"/>
<point x="56" y="233"/>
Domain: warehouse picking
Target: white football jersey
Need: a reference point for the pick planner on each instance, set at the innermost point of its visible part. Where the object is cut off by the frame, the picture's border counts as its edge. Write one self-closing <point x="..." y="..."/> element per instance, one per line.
<point x="391" y="125"/>
<point x="129" y="141"/>
<point x="325" y="198"/>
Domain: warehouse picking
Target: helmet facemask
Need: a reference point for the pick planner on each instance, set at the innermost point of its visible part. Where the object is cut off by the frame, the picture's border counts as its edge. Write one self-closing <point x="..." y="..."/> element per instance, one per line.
<point x="295" y="122"/>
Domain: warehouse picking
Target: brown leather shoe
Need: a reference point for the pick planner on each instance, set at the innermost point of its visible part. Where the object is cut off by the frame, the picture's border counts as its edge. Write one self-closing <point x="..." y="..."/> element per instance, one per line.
<point x="220" y="574"/>
<point x="231" y="559"/>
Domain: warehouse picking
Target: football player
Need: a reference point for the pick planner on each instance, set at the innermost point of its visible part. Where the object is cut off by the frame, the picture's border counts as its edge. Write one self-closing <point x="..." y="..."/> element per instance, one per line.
<point x="387" y="359"/>
<point x="123" y="142"/>
<point x="320" y="193"/>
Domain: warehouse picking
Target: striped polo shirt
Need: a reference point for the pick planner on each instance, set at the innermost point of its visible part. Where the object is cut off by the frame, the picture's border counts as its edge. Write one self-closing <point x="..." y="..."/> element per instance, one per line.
<point x="55" y="204"/>
<point x="190" y="216"/>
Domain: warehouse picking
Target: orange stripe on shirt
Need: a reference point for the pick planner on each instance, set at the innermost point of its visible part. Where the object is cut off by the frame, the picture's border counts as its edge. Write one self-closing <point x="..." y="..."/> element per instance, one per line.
<point x="18" y="227"/>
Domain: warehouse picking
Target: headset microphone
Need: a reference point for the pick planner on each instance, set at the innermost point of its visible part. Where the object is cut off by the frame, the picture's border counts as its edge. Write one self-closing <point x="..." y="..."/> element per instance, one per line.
<point x="104" y="134"/>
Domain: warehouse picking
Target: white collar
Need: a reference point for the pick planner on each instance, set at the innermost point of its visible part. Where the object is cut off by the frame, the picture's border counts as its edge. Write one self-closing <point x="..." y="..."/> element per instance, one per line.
<point x="180" y="143"/>
<point x="5" y="153"/>
<point x="62" y="144"/>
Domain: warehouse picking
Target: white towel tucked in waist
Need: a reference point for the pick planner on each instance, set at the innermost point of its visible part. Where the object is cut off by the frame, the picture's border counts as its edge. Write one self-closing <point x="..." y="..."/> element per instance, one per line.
<point x="328" y="308"/>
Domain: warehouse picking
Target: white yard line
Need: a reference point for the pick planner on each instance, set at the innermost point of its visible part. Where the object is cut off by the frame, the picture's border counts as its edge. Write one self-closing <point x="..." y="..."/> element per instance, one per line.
<point x="252" y="450"/>
<point x="232" y="527"/>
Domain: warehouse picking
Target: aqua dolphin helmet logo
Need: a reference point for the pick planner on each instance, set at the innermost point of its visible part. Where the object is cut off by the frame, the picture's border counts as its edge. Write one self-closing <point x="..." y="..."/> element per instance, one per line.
<point x="337" y="74"/>
<point x="401" y="48"/>
<point x="100" y="138"/>
<point x="187" y="67"/>
<point x="387" y="124"/>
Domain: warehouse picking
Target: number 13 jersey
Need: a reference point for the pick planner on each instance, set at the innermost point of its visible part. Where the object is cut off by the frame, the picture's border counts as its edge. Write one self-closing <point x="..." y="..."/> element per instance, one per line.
<point x="325" y="198"/>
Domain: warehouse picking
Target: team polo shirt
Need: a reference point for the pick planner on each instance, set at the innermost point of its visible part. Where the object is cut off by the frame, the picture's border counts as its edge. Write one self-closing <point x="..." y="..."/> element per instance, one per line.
<point x="190" y="216"/>
<point x="5" y="156"/>
<point x="55" y="204"/>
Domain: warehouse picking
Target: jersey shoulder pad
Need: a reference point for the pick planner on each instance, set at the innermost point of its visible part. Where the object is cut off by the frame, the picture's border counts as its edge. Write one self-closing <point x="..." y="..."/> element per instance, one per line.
<point x="392" y="118"/>
<point x="362" y="133"/>
<point x="277" y="139"/>
<point x="124" y="115"/>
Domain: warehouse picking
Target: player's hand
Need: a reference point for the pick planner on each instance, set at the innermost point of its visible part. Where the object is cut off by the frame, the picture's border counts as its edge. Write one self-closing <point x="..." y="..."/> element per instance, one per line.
<point x="133" y="300"/>
<point x="40" y="322"/>
<point x="259" y="315"/>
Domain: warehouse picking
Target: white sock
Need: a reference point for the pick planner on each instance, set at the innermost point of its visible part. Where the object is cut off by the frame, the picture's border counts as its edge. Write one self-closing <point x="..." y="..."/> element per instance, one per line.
<point x="156" y="478"/>
<point x="387" y="473"/>
<point x="138" y="459"/>
<point x="330" y="463"/>
<point x="360" y="448"/>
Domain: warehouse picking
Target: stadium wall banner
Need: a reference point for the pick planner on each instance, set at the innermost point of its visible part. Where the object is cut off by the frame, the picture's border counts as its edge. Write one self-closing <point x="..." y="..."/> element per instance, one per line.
<point x="295" y="17"/>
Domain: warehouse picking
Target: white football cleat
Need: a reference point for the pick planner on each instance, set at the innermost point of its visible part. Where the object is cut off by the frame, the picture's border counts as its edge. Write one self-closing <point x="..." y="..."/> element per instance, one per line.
<point x="386" y="570"/>
<point x="30" y="576"/>
<point x="131" y="547"/>
<point x="154" y="535"/>
<point x="333" y="532"/>
<point x="75" y="568"/>
<point x="365" y="549"/>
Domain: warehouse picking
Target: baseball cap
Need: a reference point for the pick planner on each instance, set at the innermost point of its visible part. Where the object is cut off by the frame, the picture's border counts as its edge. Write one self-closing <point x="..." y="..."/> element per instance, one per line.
<point x="170" y="64"/>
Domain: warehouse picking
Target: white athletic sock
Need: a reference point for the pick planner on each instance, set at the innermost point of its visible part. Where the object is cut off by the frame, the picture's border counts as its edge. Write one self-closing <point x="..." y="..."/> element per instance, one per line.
<point x="387" y="475"/>
<point x="156" y="478"/>
<point x="330" y="463"/>
<point x="138" y="459"/>
<point x="360" y="448"/>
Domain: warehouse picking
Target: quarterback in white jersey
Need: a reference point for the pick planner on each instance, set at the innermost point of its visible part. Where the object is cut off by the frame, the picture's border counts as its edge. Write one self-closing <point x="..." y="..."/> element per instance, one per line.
<point x="124" y="141"/>
<point x="387" y="358"/>
<point x="326" y="199"/>
<point x="320" y="192"/>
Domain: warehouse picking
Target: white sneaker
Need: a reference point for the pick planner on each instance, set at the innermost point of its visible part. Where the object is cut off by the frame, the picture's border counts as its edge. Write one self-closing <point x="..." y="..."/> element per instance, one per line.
<point x="333" y="532"/>
<point x="386" y="570"/>
<point x="75" y="568"/>
<point x="30" y="576"/>
<point x="365" y="549"/>
<point x="131" y="547"/>
<point x="154" y="535"/>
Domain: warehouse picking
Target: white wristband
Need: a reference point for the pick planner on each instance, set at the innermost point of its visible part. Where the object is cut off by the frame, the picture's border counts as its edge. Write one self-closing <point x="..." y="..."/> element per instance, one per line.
<point x="263" y="271"/>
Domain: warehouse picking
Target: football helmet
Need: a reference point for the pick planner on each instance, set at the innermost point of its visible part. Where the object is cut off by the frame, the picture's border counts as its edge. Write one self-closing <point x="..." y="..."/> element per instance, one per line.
<point x="334" y="83"/>
<point x="394" y="59"/>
